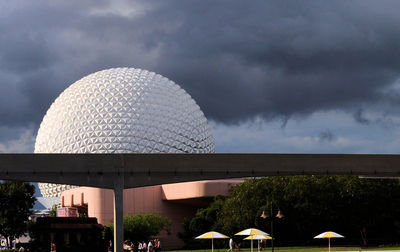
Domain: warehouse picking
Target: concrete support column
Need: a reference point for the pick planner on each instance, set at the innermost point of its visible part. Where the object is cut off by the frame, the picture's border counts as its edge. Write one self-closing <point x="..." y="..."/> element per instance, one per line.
<point x="118" y="212"/>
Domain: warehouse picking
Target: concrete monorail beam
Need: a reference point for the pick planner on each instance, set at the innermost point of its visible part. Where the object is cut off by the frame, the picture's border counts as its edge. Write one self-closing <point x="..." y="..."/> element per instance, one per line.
<point x="138" y="170"/>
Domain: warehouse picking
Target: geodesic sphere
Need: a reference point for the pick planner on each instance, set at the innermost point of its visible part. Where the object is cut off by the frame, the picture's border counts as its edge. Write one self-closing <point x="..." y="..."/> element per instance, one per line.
<point x="122" y="110"/>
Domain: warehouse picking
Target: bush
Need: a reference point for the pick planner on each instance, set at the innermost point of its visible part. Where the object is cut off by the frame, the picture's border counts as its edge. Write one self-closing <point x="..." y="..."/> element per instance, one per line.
<point x="141" y="227"/>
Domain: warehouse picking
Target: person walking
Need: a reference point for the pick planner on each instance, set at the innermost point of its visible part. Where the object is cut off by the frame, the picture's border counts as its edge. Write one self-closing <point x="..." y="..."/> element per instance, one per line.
<point x="52" y="247"/>
<point x="144" y="247"/>
<point x="109" y="248"/>
<point x="140" y="248"/>
<point x="150" y="247"/>
<point x="230" y="245"/>
<point x="157" y="245"/>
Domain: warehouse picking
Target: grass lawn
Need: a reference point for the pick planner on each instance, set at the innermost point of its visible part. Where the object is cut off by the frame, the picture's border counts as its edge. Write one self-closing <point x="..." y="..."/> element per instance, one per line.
<point x="292" y="249"/>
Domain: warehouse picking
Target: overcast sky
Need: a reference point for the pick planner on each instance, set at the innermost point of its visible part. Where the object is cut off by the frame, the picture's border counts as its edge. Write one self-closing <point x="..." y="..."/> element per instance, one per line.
<point x="271" y="76"/>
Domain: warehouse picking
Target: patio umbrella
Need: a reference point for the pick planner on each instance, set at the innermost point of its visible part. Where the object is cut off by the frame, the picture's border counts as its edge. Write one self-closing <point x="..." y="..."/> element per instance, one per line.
<point x="251" y="232"/>
<point x="258" y="237"/>
<point x="212" y="235"/>
<point x="329" y="235"/>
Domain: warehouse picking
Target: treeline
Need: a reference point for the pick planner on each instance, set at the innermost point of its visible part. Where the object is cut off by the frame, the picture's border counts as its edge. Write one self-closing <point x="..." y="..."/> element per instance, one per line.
<point x="365" y="211"/>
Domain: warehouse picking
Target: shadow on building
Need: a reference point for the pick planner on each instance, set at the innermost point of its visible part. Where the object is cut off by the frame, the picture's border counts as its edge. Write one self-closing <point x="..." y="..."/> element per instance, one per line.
<point x="68" y="234"/>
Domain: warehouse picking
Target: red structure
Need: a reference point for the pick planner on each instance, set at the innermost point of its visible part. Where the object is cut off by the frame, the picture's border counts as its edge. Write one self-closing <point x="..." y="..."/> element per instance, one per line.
<point x="67" y="212"/>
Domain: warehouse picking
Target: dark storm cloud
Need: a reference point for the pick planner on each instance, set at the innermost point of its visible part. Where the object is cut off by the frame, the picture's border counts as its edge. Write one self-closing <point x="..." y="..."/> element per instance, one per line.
<point x="360" y="118"/>
<point x="238" y="59"/>
<point x="326" y="136"/>
<point x="305" y="57"/>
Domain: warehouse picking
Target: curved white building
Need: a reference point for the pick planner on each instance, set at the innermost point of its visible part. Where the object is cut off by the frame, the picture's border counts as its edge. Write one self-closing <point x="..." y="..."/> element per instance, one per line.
<point x="122" y="110"/>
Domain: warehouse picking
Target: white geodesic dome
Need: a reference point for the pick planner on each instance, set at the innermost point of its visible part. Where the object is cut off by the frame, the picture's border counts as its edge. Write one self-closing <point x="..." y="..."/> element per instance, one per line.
<point x="122" y="110"/>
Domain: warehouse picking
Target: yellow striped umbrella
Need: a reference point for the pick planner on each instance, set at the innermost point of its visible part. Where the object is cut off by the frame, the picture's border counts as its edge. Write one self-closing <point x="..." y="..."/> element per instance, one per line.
<point x="251" y="232"/>
<point x="212" y="235"/>
<point x="329" y="235"/>
<point x="258" y="237"/>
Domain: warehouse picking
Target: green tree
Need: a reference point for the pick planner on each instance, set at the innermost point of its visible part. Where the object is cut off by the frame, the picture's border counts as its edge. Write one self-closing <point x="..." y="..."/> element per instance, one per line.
<point x="16" y="200"/>
<point x="312" y="204"/>
<point x="141" y="227"/>
<point x="205" y="218"/>
<point x="53" y="211"/>
<point x="202" y="222"/>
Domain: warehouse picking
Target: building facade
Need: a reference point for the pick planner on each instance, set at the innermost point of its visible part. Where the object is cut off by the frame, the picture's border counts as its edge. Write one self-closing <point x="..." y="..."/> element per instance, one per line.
<point x="173" y="201"/>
